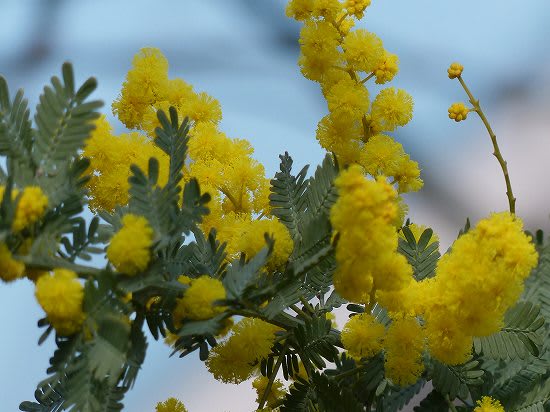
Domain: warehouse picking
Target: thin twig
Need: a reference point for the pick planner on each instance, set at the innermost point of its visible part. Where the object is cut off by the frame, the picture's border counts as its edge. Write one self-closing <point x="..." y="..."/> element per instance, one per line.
<point x="263" y="399"/>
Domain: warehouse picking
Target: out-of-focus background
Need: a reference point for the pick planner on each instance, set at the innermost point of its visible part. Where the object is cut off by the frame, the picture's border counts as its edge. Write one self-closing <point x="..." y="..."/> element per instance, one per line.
<point x="244" y="53"/>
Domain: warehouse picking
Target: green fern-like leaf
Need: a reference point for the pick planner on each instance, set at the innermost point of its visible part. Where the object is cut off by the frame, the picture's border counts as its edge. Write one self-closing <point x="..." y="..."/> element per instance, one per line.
<point x="287" y="198"/>
<point x="397" y="398"/>
<point x="422" y="255"/>
<point x="454" y="380"/>
<point x="315" y="341"/>
<point x="63" y="120"/>
<point x="520" y="336"/>
<point x="321" y="192"/>
<point x="433" y="402"/>
<point x="537" y="285"/>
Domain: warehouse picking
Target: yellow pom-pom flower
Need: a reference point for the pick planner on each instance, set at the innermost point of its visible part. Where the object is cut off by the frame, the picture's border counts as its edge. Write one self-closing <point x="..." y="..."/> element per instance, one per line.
<point x="391" y="108"/>
<point x="31" y="206"/>
<point x="197" y="303"/>
<point x="347" y="97"/>
<point x="404" y="344"/>
<point x="363" y="50"/>
<point x="458" y="112"/>
<point x="238" y="357"/>
<point x="130" y="248"/>
<point x="61" y="296"/>
<point x="363" y="336"/>
<point x="455" y="70"/>
<point x="356" y="7"/>
<point x="488" y="404"/>
<point x="327" y="9"/>
<point x="300" y="9"/>
<point x="170" y="405"/>
<point x="276" y="392"/>
<point x="10" y="269"/>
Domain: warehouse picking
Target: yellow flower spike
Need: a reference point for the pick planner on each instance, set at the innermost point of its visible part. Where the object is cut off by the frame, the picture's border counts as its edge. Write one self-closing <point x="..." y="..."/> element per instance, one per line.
<point x="488" y="404"/>
<point x="458" y="111"/>
<point x="170" y="405"/>
<point x="61" y="296"/>
<point x="455" y="70"/>
<point x="129" y="250"/>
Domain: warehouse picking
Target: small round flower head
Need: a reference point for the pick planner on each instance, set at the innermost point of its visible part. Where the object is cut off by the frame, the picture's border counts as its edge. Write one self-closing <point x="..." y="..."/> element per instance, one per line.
<point x="363" y="336"/>
<point x="129" y="250"/>
<point x="455" y="70"/>
<point x="356" y="7"/>
<point x="387" y="69"/>
<point x="170" y="405"/>
<point x="197" y="303"/>
<point x="31" y="207"/>
<point x="458" y="111"/>
<point x="363" y="50"/>
<point x="61" y="296"/>
<point x="391" y="108"/>
<point x="347" y="97"/>
<point x="488" y="404"/>
<point x="327" y="9"/>
<point x="300" y="9"/>
<point x="10" y="269"/>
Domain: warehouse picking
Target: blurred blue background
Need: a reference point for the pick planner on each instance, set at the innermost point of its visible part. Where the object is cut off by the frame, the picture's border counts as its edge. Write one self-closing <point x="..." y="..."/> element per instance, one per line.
<point x="244" y="53"/>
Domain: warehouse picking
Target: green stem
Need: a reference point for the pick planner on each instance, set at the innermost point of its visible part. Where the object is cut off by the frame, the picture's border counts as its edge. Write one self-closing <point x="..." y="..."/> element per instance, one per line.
<point x="350" y="372"/>
<point x="58" y="263"/>
<point x="450" y="403"/>
<point x="300" y="312"/>
<point x="263" y="399"/>
<point x="307" y="305"/>
<point x="496" y="149"/>
<point x="372" y="301"/>
<point x="366" y="79"/>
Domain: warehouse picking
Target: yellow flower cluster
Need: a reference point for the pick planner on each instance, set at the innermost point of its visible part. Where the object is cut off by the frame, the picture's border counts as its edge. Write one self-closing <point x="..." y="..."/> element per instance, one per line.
<point x="170" y="405"/>
<point x="10" y="269"/>
<point x="458" y="111"/>
<point x="61" y="296"/>
<point x="31" y="206"/>
<point x="197" y="303"/>
<point x="475" y="284"/>
<point x="276" y="393"/>
<point x="111" y="157"/>
<point x="130" y="248"/>
<point x="366" y="253"/>
<point x="488" y="404"/>
<point x="334" y="56"/>
<point x="236" y="359"/>
<point x="223" y="166"/>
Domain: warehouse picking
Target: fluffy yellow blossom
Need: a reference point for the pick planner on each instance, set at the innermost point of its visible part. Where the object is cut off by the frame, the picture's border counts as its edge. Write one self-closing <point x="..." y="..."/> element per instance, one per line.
<point x="382" y="155"/>
<point x="387" y="68"/>
<point x="130" y="248"/>
<point x="276" y="393"/>
<point x="170" y="405"/>
<point x="111" y="157"/>
<point x="319" y="66"/>
<point x="239" y="356"/>
<point x="356" y="7"/>
<point x="455" y="70"/>
<point x="341" y="135"/>
<point x="366" y="256"/>
<point x="248" y="237"/>
<point x="300" y="9"/>
<point x="327" y="9"/>
<point x="458" y="111"/>
<point x="488" y="404"/>
<point x="30" y="208"/>
<point x="493" y="259"/>
<point x="319" y="42"/>
<point x="61" y="296"/>
<point x="197" y="302"/>
<point x="363" y="336"/>
<point x="404" y="344"/>
<point x="391" y="108"/>
<point x="202" y="108"/>
<point x="363" y="50"/>
<point x="10" y="269"/>
<point x="347" y="97"/>
<point x="145" y="84"/>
